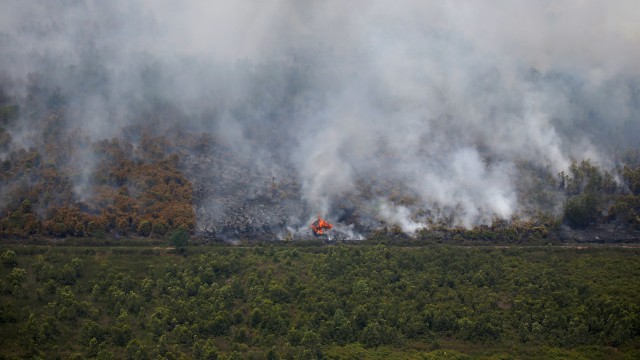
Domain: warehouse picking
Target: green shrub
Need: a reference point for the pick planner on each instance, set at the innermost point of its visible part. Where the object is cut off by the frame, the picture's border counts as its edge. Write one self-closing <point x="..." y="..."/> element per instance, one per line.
<point x="580" y="210"/>
<point x="8" y="259"/>
<point x="179" y="238"/>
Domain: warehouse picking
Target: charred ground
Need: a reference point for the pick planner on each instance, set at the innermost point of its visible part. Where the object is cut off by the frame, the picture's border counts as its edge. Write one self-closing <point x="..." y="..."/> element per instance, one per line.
<point x="149" y="181"/>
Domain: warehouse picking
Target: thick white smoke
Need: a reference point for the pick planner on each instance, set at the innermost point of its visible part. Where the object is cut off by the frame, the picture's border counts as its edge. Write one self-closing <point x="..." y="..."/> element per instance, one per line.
<point x="440" y="99"/>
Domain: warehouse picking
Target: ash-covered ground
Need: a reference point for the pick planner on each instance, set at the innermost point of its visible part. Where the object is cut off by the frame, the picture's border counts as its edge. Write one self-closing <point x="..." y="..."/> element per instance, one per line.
<point x="234" y="200"/>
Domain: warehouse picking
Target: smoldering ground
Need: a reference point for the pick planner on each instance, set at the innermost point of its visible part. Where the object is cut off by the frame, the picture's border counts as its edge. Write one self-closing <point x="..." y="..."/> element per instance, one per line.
<point x="401" y="114"/>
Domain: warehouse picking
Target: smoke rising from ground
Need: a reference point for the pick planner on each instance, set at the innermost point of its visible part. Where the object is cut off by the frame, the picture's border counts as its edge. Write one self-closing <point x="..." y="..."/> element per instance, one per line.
<point x="442" y="100"/>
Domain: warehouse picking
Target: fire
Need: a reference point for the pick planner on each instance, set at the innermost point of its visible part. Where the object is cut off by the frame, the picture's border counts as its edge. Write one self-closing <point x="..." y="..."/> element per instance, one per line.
<point x="319" y="226"/>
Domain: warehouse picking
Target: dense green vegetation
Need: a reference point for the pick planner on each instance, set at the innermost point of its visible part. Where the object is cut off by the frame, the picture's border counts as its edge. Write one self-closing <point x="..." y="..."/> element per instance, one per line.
<point x="308" y="301"/>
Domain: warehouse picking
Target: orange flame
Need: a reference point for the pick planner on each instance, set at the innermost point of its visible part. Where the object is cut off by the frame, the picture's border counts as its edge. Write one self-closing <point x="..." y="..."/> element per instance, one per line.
<point x="319" y="226"/>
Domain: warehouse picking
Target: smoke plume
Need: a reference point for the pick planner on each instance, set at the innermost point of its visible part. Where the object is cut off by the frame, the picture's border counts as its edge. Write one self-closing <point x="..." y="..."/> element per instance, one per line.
<point x="426" y="109"/>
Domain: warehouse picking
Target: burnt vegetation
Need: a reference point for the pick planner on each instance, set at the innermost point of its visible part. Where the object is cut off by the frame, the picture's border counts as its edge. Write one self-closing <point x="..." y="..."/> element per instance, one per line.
<point x="150" y="181"/>
<point x="66" y="185"/>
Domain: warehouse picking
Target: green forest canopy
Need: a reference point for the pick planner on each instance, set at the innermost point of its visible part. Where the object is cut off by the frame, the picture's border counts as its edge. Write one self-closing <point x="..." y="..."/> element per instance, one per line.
<point x="341" y="301"/>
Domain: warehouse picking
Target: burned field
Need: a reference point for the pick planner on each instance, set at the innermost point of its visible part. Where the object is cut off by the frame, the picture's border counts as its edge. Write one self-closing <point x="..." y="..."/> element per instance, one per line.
<point x="148" y="185"/>
<point x="419" y="130"/>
